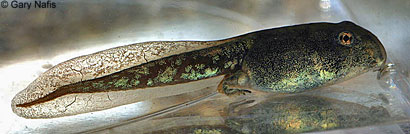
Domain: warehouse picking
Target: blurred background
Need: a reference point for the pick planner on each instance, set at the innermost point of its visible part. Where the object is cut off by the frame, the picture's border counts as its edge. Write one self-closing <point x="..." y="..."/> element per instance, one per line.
<point x="33" y="40"/>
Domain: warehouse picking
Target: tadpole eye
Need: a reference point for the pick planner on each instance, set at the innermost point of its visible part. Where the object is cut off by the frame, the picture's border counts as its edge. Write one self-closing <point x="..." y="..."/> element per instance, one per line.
<point x="346" y="38"/>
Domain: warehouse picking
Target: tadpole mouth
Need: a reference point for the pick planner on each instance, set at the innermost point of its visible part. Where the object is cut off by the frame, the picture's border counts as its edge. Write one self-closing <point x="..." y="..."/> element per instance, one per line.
<point x="380" y="56"/>
<point x="380" y="62"/>
<point x="381" y="69"/>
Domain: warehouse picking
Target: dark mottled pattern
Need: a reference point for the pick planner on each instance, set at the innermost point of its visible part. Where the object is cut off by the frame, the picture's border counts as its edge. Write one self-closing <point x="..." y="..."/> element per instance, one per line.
<point x="309" y="56"/>
<point x="286" y="60"/>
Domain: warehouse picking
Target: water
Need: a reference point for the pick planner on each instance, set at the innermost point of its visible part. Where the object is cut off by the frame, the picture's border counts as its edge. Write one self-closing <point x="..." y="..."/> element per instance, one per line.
<point x="76" y="28"/>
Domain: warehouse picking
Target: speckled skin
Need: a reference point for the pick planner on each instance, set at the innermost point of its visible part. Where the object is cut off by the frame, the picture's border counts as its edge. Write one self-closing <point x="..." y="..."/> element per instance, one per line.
<point x="282" y="60"/>
<point x="294" y="59"/>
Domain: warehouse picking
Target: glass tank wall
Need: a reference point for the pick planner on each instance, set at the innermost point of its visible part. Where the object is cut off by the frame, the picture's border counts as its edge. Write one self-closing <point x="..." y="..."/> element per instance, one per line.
<point x="33" y="40"/>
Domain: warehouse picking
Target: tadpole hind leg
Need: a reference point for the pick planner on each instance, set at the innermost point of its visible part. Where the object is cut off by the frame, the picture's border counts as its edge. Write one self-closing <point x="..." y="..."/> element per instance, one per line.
<point x="234" y="84"/>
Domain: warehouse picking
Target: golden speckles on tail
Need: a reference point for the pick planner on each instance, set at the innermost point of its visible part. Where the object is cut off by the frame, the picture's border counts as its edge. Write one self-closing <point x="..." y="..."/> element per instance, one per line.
<point x="166" y="76"/>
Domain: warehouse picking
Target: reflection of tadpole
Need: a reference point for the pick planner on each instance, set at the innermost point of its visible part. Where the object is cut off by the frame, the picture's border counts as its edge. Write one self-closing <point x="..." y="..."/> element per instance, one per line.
<point x="301" y="113"/>
<point x="234" y="105"/>
<point x="288" y="114"/>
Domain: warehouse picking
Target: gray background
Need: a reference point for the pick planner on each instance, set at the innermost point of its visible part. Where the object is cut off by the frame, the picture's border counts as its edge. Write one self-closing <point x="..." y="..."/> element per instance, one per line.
<point x="33" y="40"/>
